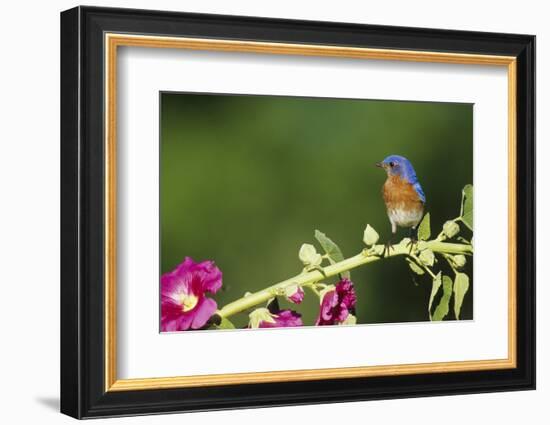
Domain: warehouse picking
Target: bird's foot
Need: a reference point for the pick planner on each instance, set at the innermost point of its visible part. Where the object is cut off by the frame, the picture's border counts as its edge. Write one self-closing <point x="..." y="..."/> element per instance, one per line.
<point x="388" y="246"/>
<point x="413" y="241"/>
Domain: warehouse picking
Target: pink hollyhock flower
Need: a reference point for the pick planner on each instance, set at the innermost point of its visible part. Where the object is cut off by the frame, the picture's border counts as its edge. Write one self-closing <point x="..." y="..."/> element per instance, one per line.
<point x="283" y="319"/>
<point x="297" y="296"/>
<point x="183" y="301"/>
<point x="337" y="304"/>
<point x="264" y="318"/>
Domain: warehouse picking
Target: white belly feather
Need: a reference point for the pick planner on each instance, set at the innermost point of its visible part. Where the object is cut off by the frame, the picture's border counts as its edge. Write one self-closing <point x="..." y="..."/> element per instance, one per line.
<point x="405" y="217"/>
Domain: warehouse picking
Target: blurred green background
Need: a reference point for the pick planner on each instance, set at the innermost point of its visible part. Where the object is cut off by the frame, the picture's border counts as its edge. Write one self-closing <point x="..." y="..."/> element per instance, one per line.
<point x="245" y="180"/>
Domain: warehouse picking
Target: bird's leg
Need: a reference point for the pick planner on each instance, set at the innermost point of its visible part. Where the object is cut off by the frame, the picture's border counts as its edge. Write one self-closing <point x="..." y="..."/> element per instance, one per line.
<point x="388" y="246"/>
<point x="413" y="239"/>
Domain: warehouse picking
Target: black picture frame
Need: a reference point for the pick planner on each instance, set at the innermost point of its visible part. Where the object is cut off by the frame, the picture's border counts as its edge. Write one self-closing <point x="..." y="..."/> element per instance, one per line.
<point x="83" y="392"/>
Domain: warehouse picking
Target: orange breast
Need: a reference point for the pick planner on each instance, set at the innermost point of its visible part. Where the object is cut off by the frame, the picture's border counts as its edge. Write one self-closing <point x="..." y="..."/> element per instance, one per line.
<point x="400" y="194"/>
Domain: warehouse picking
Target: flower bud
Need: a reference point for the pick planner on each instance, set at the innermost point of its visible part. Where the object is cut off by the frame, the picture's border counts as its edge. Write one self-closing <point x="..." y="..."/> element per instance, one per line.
<point x="459" y="261"/>
<point x="370" y="237"/>
<point x="260" y="315"/>
<point x="294" y="294"/>
<point x="350" y="320"/>
<point x="450" y="228"/>
<point x="309" y="255"/>
<point x="427" y="257"/>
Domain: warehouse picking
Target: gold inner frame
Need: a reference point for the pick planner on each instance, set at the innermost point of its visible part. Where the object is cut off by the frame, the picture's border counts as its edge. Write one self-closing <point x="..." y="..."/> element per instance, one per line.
<point x="113" y="41"/>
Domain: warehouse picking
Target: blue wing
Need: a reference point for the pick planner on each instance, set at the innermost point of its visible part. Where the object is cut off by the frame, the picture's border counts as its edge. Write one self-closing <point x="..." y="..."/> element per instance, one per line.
<point x="418" y="189"/>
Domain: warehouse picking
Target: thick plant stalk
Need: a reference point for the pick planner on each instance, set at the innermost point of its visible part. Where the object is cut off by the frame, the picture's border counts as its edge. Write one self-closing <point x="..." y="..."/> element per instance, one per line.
<point x="367" y="256"/>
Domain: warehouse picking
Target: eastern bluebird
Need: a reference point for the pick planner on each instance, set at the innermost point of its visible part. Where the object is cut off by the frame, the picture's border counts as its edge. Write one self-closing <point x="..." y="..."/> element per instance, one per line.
<point x="403" y="195"/>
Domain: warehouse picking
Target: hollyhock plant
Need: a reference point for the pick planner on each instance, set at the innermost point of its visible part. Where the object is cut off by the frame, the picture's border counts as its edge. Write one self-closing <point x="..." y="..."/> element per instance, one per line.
<point x="263" y="318"/>
<point x="184" y="304"/>
<point x="337" y="304"/>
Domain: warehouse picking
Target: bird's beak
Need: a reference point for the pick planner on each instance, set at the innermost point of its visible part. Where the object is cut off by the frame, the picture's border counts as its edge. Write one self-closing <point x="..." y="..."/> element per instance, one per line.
<point x="380" y="164"/>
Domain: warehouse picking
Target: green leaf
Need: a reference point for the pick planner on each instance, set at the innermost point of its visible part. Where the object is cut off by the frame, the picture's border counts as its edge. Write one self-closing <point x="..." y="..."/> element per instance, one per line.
<point x="225" y="324"/>
<point x="443" y="307"/>
<point x="427" y="257"/>
<point x="462" y="283"/>
<point x="424" y="231"/>
<point x="370" y="237"/>
<point x="415" y="267"/>
<point x="331" y="249"/>
<point x="467" y="207"/>
<point x="436" y="284"/>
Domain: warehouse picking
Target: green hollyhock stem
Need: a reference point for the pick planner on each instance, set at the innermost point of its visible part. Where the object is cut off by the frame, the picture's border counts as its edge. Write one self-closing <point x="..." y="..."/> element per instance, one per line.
<point x="367" y="256"/>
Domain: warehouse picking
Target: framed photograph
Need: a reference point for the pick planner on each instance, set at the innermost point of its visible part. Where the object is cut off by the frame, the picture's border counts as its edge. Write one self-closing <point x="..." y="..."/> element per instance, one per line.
<point x="261" y="212"/>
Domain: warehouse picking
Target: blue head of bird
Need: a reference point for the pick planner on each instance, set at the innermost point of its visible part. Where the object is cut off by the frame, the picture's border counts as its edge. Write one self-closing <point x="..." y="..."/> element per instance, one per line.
<point x="397" y="165"/>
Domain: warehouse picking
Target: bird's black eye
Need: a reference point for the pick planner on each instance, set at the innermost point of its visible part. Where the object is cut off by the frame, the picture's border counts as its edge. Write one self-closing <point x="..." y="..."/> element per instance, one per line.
<point x="392" y="164"/>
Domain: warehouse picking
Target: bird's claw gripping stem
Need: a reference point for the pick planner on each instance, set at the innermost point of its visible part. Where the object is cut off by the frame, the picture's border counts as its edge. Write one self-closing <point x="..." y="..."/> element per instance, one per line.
<point x="388" y="246"/>
<point x="413" y="240"/>
<point x="412" y="244"/>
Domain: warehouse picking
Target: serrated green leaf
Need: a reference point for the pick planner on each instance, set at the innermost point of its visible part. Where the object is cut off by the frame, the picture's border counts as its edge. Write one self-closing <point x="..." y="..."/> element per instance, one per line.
<point x="436" y="284"/>
<point x="415" y="267"/>
<point x="427" y="257"/>
<point x="467" y="206"/>
<point x="370" y="236"/>
<point x="442" y="308"/>
<point x="424" y="230"/>
<point x="461" y="285"/>
<point x="331" y="249"/>
<point x="225" y="324"/>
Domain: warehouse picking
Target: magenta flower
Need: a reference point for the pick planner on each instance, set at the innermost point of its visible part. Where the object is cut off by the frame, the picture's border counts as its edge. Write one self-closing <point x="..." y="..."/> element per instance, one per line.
<point x="283" y="319"/>
<point x="297" y="296"/>
<point x="337" y="304"/>
<point x="183" y="301"/>
<point x="264" y="318"/>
